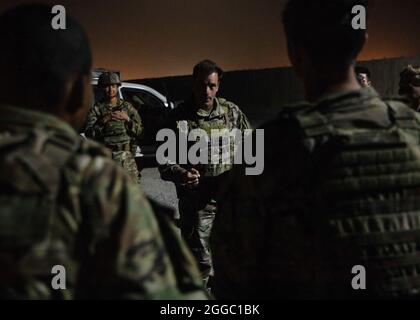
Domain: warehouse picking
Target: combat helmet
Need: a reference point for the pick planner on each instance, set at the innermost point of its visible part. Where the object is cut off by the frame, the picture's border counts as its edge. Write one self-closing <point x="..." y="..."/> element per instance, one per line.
<point x="108" y="78"/>
<point x="409" y="76"/>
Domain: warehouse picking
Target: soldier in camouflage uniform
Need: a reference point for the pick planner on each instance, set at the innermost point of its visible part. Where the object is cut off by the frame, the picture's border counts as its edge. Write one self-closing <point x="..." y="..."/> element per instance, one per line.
<point x="363" y="76"/>
<point x="410" y="85"/>
<point x="197" y="184"/>
<point x="63" y="200"/>
<point x="341" y="182"/>
<point x="116" y="124"/>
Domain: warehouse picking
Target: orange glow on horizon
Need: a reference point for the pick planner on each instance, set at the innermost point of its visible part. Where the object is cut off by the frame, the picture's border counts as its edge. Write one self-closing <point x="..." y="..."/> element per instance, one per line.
<point x="157" y="38"/>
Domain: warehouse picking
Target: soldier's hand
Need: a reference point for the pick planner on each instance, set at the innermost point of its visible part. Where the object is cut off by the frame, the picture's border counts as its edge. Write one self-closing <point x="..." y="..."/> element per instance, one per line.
<point x="120" y="115"/>
<point x="106" y="118"/>
<point x="191" y="178"/>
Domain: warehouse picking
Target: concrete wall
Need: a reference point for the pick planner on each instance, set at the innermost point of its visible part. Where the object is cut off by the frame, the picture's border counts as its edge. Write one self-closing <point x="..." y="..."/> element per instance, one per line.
<point x="386" y="73"/>
<point x="259" y="93"/>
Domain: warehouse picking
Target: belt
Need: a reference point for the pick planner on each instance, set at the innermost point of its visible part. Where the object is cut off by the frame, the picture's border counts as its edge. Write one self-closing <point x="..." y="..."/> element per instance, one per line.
<point x="119" y="147"/>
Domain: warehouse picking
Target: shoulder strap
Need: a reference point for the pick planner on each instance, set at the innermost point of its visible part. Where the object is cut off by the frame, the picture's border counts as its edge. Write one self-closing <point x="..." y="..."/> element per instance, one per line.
<point x="401" y="115"/>
<point x="29" y="152"/>
<point x="315" y="124"/>
<point x="30" y="180"/>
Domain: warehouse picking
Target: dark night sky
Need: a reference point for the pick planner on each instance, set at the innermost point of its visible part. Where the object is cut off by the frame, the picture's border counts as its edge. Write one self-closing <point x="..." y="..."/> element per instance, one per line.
<point x="152" y="38"/>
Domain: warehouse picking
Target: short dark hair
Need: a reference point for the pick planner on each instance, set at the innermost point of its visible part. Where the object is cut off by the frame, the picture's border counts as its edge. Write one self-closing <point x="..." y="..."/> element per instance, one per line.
<point x="207" y="67"/>
<point x="323" y="28"/>
<point x="36" y="61"/>
<point x="360" y="69"/>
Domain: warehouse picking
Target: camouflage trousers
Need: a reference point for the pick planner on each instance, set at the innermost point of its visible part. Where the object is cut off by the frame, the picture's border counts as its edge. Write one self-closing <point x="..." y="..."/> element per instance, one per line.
<point x="196" y="221"/>
<point x="126" y="160"/>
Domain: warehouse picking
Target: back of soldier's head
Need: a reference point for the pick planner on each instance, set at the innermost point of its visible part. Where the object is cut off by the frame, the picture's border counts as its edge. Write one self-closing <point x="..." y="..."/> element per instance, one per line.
<point x="38" y="61"/>
<point x="323" y="28"/>
<point x="362" y="70"/>
<point x="207" y="67"/>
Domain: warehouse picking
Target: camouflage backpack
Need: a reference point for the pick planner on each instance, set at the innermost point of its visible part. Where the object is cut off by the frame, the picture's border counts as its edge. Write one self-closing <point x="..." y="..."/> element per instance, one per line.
<point x="363" y="187"/>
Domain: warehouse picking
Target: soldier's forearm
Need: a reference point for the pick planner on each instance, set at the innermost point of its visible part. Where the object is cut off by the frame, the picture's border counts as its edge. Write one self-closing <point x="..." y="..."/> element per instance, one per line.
<point x="93" y="132"/>
<point x="94" y="125"/>
<point x="171" y="172"/>
<point x="89" y="132"/>
<point x="134" y="129"/>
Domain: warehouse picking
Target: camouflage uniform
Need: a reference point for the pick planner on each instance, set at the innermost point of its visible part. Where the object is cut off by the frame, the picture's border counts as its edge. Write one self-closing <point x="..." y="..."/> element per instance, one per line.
<point x="63" y="201"/>
<point x="197" y="207"/>
<point x="117" y="135"/>
<point x="340" y="188"/>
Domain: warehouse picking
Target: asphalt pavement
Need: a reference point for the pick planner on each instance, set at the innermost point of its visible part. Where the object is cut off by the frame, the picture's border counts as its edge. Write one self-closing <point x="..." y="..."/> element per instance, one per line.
<point x="157" y="189"/>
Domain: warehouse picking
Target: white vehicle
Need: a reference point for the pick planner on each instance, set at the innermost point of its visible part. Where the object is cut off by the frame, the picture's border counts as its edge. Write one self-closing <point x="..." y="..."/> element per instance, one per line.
<point x="151" y="105"/>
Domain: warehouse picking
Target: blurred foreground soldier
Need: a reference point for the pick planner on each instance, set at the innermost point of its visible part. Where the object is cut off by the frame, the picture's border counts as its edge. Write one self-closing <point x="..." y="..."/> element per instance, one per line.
<point x="197" y="184"/>
<point x="116" y="124"/>
<point x="410" y="85"/>
<point x="63" y="201"/>
<point x="341" y="183"/>
<point x="363" y="76"/>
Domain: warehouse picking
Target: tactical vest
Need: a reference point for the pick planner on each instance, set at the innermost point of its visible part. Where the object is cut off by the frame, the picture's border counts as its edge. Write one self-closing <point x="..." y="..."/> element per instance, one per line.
<point x="220" y="148"/>
<point x="114" y="131"/>
<point x="32" y="233"/>
<point x="365" y="201"/>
